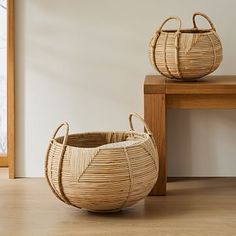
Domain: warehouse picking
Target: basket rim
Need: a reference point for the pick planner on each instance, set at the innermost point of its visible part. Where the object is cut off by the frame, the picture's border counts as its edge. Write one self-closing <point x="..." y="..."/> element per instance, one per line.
<point x="188" y="31"/>
<point x="144" y="139"/>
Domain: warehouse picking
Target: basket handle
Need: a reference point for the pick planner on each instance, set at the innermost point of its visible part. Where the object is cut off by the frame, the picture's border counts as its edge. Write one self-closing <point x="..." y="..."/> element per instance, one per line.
<point x="131" y="115"/>
<point x="63" y="198"/>
<point x="168" y="19"/>
<point x="66" y="125"/>
<point x="158" y="31"/>
<point x="204" y="16"/>
<point x="147" y="129"/>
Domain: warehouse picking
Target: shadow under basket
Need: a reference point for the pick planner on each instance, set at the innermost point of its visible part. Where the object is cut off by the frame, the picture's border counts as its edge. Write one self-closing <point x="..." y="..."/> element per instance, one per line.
<point x="102" y="171"/>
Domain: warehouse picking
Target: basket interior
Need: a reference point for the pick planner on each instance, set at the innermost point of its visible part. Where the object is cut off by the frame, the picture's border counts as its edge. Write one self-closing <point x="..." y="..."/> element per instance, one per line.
<point x="92" y="140"/>
<point x="190" y="31"/>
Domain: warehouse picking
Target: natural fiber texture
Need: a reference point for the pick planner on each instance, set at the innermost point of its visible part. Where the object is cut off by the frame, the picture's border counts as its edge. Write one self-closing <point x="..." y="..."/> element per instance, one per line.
<point x="186" y="54"/>
<point x="102" y="171"/>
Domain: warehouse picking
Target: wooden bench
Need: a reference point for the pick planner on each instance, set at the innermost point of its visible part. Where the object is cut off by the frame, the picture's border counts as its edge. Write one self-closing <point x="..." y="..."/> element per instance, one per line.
<point x="160" y="94"/>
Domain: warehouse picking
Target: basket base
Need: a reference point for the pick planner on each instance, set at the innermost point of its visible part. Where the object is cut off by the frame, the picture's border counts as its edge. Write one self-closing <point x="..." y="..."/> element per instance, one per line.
<point x="104" y="211"/>
<point x="186" y="79"/>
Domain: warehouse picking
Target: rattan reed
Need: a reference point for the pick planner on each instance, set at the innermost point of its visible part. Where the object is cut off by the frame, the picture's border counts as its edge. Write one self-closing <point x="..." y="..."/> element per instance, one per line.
<point x="102" y="171"/>
<point x="186" y="54"/>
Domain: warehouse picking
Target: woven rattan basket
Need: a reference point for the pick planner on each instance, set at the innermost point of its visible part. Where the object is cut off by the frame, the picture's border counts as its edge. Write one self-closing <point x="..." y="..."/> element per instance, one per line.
<point x="102" y="171"/>
<point x="186" y="54"/>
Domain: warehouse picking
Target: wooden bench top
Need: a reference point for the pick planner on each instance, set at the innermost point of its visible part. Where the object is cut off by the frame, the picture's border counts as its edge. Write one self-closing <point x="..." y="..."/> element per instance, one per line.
<point x="213" y="84"/>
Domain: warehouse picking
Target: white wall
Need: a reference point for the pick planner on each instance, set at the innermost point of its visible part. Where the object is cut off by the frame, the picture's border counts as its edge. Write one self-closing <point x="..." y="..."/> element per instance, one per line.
<point x="84" y="61"/>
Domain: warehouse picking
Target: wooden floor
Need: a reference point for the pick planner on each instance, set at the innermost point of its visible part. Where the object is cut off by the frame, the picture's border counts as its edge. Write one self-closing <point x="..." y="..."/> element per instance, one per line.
<point x="193" y="207"/>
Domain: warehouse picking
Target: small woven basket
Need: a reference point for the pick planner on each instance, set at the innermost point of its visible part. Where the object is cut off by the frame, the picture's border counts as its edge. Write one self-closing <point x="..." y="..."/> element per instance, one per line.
<point x="102" y="171"/>
<point x="186" y="54"/>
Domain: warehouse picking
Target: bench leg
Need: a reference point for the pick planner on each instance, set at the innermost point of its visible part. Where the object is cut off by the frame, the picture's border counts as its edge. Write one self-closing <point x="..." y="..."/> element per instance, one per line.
<point x="155" y="117"/>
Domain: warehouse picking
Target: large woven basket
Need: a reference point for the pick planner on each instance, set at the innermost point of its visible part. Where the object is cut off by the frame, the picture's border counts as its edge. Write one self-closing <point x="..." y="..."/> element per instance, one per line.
<point x="186" y="54"/>
<point x="102" y="171"/>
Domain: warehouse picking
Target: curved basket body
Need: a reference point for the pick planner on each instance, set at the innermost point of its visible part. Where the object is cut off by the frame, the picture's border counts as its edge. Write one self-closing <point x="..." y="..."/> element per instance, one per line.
<point x="188" y="55"/>
<point x="88" y="173"/>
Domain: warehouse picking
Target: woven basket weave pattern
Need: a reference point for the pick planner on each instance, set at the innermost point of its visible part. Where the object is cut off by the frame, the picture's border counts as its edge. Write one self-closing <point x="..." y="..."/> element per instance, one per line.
<point x="101" y="178"/>
<point x="186" y="54"/>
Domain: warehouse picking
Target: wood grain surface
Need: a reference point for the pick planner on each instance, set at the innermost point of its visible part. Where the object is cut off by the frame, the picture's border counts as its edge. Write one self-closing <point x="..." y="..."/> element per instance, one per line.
<point x="192" y="207"/>
<point x="217" y="84"/>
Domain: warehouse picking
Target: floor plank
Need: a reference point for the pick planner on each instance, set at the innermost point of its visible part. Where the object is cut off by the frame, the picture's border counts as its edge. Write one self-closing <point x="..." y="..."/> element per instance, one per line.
<point x="4" y="173"/>
<point x="193" y="207"/>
